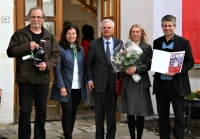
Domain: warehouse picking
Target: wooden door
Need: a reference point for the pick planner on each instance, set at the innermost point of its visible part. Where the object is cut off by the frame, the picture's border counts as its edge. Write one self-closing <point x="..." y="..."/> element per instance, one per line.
<point x="53" y="23"/>
<point x="111" y="9"/>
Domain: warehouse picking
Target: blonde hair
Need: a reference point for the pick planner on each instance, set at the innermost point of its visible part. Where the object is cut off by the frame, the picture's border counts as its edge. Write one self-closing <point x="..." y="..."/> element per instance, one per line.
<point x="144" y="35"/>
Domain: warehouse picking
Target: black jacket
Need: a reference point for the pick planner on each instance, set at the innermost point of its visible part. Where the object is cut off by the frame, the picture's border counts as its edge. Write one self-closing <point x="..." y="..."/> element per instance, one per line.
<point x="98" y="69"/>
<point x="19" y="46"/>
<point x="181" y="80"/>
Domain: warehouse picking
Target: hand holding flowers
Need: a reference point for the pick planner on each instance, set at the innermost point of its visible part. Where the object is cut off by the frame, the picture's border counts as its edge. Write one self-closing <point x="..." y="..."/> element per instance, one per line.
<point x="131" y="71"/>
<point x="125" y="56"/>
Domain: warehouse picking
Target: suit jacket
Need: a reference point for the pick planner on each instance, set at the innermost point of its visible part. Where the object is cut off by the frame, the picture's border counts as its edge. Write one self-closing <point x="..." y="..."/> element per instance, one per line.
<point x="63" y="74"/>
<point x="98" y="69"/>
<point x="181" y="80"/>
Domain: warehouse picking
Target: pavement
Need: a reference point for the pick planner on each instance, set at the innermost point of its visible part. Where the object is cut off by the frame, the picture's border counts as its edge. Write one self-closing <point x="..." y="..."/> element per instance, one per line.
<point x="84" y="128"/>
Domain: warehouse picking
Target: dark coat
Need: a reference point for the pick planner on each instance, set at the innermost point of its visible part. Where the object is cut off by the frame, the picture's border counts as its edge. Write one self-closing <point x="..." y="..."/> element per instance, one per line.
<point x="143" y="67"/>
<point x="98" y="69"/>
<point x="135" y="98"/>
<point x="63" y="74"/>
<point x="181" y="80"/>
<point x="19" y="46"/>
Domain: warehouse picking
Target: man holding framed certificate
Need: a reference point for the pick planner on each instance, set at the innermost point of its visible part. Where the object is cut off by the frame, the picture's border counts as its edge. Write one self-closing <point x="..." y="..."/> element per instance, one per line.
<point x="172" y="87"/>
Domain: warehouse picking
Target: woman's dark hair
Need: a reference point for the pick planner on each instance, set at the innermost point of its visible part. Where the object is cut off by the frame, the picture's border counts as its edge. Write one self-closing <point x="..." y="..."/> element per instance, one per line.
<point x="66" y="23"/>
<point x="63" y="41"/>
<point x="88" y="32"/>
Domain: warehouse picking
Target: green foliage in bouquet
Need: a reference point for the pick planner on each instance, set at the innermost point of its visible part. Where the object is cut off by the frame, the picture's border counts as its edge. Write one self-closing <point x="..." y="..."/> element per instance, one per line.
<point x="131" y="58"/>
<point x="125" y="55"/>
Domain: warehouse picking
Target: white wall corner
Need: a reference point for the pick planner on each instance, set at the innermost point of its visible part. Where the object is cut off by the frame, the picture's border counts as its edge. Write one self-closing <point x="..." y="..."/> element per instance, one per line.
<point x="7" y="64"/>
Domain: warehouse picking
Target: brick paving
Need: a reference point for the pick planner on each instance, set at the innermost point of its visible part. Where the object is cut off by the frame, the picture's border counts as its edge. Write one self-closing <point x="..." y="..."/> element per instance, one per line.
<point x="84" y="129"/>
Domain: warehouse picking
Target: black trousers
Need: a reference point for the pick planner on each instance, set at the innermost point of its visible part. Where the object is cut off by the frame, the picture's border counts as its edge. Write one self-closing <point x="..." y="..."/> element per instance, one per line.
<point x="139" y="124"/>
<point x="167" y="93"/>
<point x="105" y="102"/>
<point x="27" y="93"/>
<point x="69" y="112"/>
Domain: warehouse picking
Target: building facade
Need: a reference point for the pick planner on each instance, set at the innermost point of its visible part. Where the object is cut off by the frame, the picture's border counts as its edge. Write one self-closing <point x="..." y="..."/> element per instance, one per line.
<point x="147" y="13"/>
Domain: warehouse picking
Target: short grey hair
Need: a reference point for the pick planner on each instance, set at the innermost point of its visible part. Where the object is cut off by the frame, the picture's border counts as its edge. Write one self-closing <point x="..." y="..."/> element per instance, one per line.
<point x="169" y="18"/>
<point x="36" y="8"/>
<point x="107" y="20"/>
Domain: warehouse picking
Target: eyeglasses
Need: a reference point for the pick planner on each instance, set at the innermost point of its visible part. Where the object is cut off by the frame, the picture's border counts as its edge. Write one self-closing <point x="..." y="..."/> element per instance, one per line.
<point x="34" y="17"/>
<point x="104" y="28"/>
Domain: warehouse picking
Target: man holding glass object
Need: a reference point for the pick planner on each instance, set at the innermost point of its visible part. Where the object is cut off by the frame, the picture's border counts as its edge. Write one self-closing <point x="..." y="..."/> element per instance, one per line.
<point x="37" y="52"/>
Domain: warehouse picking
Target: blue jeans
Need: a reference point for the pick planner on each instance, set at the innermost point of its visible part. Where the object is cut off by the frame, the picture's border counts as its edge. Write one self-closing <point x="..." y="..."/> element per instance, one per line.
<point x="29" y="93"/>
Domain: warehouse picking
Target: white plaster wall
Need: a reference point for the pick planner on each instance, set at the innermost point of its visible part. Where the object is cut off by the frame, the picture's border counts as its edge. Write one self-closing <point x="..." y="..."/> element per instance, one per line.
<point x="195" y="84"/>
<point x="137" y="12"/>
<point x="173" y="9"/>
<point x="6" y="64"/>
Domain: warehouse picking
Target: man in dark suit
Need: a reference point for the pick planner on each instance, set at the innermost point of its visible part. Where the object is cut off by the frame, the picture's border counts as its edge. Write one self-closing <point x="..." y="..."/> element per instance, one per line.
<point x="171" y="87"/>
<point x="102" y="80"/>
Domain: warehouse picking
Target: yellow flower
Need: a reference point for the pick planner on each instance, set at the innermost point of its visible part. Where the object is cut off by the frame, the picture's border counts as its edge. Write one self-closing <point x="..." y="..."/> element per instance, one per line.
<point x="198" y="91"/>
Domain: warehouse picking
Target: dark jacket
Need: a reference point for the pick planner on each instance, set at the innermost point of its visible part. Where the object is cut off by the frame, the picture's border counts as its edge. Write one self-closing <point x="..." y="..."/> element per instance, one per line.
<point x="98" y="69"/>
<point x="181" y="80"/>
<point x="63" y="74"/>
<point x="19" y="46"/>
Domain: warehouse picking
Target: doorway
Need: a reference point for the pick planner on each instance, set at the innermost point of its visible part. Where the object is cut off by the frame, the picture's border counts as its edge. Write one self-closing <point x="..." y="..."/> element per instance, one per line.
<point x="79" y="12"/>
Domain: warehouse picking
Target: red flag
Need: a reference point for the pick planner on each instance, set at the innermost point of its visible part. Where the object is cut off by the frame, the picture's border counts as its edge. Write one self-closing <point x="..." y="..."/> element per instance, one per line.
<point x="191" y="26"/>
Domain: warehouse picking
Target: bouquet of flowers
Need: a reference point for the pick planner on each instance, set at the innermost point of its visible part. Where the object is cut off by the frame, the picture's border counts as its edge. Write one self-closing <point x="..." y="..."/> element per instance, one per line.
<point x="125" y="55"/>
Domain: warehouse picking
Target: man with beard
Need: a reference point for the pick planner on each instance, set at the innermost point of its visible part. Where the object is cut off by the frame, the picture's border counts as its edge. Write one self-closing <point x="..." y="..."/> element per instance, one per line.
<point x="33" y="80"/>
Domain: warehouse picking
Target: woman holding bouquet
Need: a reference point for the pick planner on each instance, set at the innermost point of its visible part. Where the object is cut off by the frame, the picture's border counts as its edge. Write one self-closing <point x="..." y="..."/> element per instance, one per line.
<point x="135" y="98"/>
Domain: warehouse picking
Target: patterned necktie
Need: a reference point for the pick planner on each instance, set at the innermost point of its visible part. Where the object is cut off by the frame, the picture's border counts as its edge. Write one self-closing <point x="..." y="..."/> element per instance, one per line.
<point x="75" y="51"/>
<point x="108" y="51"/>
